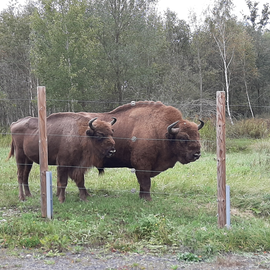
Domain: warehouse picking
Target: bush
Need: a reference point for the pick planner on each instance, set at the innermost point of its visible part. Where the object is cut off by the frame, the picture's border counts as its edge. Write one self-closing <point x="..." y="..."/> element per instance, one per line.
<point x="255" y="128"/>
<point x="238" y="135"/>
<point x="208" y="136"/>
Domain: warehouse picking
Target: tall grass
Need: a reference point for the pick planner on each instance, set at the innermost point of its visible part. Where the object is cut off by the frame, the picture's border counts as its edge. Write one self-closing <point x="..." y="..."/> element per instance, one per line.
<point x="255" y="128"/>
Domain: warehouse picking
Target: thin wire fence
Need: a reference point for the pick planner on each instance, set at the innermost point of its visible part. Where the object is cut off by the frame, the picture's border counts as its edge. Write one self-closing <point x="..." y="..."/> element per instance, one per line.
<point x="175" y="104"/>
<point x="117" y="138"/>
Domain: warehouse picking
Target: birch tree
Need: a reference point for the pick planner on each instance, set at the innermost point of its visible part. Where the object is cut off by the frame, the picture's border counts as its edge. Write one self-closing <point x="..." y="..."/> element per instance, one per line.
<point x="222" y="26"/>
<point x="246" y="59"/>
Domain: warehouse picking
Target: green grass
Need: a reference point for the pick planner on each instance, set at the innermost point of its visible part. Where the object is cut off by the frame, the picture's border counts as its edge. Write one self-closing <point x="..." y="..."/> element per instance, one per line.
<point x="182" y="216"/>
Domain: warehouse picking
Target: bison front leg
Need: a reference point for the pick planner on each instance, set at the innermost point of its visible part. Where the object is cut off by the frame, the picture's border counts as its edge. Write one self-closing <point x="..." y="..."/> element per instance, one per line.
<point x="62" y="180"/>
<point x="145" y="185"/>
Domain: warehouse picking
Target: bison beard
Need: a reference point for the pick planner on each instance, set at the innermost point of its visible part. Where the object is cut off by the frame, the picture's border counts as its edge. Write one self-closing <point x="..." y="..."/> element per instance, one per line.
<point x="151" y="137"/>
<point x="75" y="143"/>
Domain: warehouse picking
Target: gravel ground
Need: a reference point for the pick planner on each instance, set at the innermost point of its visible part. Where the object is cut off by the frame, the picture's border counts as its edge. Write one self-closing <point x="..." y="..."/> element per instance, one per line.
<point x="100" y="259"/>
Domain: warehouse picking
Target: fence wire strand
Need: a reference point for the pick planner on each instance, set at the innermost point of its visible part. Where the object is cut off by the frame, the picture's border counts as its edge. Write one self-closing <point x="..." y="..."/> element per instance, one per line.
<point x="116" y="138"/>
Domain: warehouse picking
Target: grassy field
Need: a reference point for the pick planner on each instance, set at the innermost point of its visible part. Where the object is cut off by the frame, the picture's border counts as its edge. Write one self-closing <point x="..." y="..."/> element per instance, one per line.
<point x="182" y="216"/>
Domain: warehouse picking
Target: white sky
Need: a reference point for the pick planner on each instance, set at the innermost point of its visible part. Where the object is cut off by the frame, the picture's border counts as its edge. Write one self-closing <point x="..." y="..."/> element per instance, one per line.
<point x="181" y="7"/>
<point x="184" y="7"/>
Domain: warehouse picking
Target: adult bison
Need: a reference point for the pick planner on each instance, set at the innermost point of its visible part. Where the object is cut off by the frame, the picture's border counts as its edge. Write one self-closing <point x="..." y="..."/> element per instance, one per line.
<point x="75" y="143"/>
<point x="151" y="137"/>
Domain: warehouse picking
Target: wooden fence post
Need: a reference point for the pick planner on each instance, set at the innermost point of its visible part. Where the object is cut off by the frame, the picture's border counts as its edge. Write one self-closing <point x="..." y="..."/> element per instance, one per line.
<point x="221" y="159"/>
<point x="43" y="148"/>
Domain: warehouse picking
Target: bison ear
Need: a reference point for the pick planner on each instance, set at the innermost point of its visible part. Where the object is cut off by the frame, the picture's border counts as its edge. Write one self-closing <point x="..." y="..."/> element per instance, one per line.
<point x="170" y="135"/>
<point x="89" y="132"/>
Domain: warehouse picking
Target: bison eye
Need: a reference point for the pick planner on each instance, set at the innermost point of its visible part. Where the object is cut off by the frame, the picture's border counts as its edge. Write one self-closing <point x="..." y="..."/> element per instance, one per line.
<point x="184" y="138"/>
<point x="100" y="136"/>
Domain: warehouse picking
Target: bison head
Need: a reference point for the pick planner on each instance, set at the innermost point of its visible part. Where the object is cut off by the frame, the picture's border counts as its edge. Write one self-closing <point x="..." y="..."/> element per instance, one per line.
<point x="184" y="140"/>
<point x="102" y="132"/>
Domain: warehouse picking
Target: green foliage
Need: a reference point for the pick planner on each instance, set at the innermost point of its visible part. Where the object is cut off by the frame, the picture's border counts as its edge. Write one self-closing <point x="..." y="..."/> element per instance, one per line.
<point x="153" y="228"/>
<point x="187" y="256"/>
<point x="31" y="242"/>
<point x="17" y="82"/>
<point x="255" y="128"/>
<point x="95" y="55"/>
<point x="63" y="52"/>
<point x="5" y="139"/>
<point x="261" y="146"/>
<point x="238" y="145"/>
<point x="238" y="135"/>
<point x="208" y="136"/>
<point x="54" y="242"/>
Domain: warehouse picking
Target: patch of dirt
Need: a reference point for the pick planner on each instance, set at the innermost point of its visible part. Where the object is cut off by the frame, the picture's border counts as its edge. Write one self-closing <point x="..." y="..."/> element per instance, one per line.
<point x="91" y="259"/>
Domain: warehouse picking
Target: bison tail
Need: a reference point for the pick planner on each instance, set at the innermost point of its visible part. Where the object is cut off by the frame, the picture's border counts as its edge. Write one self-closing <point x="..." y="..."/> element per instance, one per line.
<point x="11" y="152"/>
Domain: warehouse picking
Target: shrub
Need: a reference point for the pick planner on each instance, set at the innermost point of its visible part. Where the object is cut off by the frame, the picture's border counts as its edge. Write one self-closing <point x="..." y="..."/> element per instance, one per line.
<point x="208" y="136"/>
<point x="255" y="128"/>
<point x="153" y="227"/>
<point x="5" y="137"/>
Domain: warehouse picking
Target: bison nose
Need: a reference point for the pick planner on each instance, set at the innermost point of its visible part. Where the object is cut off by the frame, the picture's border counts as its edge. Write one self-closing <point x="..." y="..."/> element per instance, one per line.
<point x="112" y="152"/>
<point x="197" y="156"/>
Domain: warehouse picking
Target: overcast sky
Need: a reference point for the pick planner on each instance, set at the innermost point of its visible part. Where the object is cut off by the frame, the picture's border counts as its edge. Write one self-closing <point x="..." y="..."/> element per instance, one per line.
<point x="184" y="7"/>
<point x="181" y="7"/>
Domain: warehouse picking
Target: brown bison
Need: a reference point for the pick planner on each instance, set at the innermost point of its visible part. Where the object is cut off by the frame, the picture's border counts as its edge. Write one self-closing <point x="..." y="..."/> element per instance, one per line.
<point x="75" y="143"/>
<point x="151" y="137"/>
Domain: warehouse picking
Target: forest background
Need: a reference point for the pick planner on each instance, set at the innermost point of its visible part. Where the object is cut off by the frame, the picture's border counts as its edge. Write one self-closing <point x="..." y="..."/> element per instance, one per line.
<point x="96" y="55"/>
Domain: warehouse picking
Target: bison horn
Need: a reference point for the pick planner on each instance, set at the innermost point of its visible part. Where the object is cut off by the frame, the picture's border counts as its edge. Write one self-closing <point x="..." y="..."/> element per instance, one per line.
<point x="171" y="128"/>
<point x="200" y="125"/>
<point x="91" y="123"/>
<point x="113" y="121"/>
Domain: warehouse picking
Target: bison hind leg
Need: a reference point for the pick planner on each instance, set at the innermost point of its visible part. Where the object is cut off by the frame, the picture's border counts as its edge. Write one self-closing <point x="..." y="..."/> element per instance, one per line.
<point x="24" y="166"/>
<point x="62" y="180"/>
<point x="26" y="173"/>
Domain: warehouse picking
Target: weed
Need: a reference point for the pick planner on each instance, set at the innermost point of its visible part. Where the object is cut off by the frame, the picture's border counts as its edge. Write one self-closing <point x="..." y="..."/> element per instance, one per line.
<point x="189" y="257"/>
<point x="49" y="262"/>
<point x="54" y="242"/>
<point x="77" y="249"/>
<point x="53" y="253"/>
<point x="153" y="227"/>
<point x="30" y="242"/>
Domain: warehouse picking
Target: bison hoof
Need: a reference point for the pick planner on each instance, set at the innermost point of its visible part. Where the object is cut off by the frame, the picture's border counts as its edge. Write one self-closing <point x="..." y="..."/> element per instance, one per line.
<point x="83" y="199"/>
<point x="146" y="197"/>
<point x="61" y="199"/>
